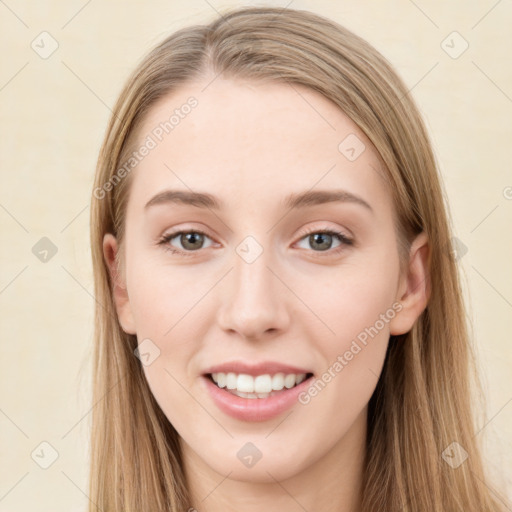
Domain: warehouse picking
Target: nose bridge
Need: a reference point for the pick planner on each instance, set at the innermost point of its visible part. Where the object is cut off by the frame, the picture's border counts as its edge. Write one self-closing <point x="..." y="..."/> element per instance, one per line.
<point x="253" y="302"/>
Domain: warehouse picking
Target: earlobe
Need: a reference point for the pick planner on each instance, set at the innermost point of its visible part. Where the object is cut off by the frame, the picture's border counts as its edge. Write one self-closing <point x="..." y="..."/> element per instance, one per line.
<point x="414" y="289"/>
<point x="119" y="290"/>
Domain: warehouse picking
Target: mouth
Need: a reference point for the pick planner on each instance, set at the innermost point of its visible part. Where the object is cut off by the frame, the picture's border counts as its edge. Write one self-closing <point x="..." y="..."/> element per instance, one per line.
<point x="255" y="391"/>
<point x="257" y="387"/>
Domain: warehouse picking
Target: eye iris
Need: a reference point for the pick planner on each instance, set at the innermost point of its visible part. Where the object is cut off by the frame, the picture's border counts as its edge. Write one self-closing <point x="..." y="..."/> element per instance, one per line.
<point x="188" y="238"/>
<point x="324" y="246"/>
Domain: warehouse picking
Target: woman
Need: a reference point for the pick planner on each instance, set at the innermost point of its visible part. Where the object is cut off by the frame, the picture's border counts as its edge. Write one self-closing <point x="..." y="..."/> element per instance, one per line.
<point x="279" y="321"/>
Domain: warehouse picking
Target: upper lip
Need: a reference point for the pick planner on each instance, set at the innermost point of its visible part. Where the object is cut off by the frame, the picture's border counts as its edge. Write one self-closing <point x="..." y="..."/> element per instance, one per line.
<point x="262" y="368"/>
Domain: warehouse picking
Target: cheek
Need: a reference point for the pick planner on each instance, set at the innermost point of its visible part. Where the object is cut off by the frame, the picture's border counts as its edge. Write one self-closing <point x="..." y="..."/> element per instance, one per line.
<point x="352" y="297"/>
<point x="162" y="305"/>
<point x="356" y="304"/>
<point x="168" y="376"/>
<point x="353" y="358"/>
<point x="164" y="298"/>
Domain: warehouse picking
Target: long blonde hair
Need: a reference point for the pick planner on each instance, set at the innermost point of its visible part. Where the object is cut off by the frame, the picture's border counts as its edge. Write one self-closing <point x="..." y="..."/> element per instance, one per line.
<point x="422" y="401"/>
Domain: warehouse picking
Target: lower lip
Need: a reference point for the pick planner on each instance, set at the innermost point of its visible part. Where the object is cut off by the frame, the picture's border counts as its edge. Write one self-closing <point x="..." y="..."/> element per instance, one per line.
<point x="254" y="409"/>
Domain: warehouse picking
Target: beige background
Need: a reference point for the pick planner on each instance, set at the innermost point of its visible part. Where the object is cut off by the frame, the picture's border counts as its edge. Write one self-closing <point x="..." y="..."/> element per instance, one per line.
<point x="53" y="115"/>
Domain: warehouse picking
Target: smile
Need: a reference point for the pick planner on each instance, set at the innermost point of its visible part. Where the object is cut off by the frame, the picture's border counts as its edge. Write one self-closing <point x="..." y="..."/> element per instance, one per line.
<point x="258" y="386"/>
<point x="257" y="397"/>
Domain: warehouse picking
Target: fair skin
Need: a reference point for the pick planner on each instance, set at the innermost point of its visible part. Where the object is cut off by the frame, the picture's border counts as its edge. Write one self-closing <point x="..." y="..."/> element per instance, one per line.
<point x="251" y="145"/>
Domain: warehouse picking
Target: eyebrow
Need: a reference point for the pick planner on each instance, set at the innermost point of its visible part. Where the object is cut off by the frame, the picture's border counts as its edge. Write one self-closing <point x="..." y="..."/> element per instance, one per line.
<point x="316" y="197"/>
<point x="293" y="201"/>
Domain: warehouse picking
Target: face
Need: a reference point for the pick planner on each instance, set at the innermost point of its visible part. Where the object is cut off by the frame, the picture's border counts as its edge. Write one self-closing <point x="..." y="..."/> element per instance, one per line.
<point x="266" y="282"/>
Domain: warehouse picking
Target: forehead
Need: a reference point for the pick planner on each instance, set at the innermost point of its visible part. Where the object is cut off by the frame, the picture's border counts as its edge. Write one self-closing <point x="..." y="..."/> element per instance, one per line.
<point x="253" y="142"/>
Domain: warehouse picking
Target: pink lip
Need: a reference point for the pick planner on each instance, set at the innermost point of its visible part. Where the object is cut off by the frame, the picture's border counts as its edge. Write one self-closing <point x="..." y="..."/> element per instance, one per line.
<point x="254" y="409"/>
<point x="265" y="367"/>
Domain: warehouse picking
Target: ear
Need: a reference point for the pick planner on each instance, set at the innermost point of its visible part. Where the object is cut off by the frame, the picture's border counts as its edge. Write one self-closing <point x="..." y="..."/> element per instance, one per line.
<point x="120" y="293"/>
<point x="414" y="287"/>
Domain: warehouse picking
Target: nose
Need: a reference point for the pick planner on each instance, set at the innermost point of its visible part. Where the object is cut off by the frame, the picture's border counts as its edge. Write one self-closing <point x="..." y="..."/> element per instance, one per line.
<point x="254" y="299"/>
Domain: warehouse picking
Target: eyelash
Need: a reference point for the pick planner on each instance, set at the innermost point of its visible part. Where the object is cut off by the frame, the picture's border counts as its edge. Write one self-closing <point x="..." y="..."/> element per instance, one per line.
<point x="164" y="241"/>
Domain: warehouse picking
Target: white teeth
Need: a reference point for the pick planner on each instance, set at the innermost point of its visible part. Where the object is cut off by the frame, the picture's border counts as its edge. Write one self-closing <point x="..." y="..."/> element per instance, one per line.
<point x="245" y="383"/>
<point x="230" y="380"/>
<point x="289" y="381"/>
<point x="300" y="378"/>
<point x="278" y="381"/>
<point x="261" y="386"/>
<point x="252" y="395"/>
<point x="220" y="379"/>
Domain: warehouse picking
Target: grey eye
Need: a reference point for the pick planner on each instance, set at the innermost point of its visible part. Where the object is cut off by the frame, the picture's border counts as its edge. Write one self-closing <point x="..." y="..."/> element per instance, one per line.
<point x="189" y="240"/>
<point x="320" y="241"/>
